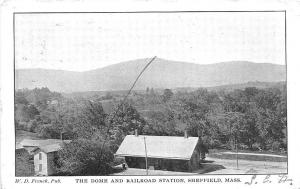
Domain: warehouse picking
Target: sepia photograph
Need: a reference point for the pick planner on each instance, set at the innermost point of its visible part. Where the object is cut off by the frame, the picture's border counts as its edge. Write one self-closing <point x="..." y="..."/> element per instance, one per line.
<point x="150" y="93"/>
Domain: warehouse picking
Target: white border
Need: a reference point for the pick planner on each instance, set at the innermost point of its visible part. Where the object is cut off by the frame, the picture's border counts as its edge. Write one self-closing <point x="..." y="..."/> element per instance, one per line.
<point x="7" y="88"/>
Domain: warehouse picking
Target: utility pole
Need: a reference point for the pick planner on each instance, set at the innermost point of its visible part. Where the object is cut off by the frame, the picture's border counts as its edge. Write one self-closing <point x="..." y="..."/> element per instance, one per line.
<point x="237" y="152"/>
<point x="146" y="155"/>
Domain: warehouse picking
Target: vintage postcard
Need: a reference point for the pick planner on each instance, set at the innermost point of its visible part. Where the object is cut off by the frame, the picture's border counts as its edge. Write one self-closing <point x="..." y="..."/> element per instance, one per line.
<point x="114" y="97"/>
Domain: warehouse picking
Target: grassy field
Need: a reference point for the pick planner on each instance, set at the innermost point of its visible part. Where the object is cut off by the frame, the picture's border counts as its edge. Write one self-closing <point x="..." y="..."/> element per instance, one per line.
<point x="21" y="134"/>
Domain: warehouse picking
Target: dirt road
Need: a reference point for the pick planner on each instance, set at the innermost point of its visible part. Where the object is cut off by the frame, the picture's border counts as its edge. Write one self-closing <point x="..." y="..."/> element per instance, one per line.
<point x="226" y="166"/>
<point x="255" y="154"/>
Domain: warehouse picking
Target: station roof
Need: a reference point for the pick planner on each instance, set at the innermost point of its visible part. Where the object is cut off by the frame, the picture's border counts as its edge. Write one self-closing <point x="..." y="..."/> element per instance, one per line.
<point x="165" y="147"/>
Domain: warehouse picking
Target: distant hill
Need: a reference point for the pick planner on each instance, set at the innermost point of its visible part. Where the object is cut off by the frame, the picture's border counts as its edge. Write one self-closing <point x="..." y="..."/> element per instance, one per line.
<point x="261" y="85"/>
<point x="160" y="74"/>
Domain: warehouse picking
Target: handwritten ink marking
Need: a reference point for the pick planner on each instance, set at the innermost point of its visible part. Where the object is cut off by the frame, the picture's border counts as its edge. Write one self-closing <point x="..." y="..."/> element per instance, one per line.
<point x="252" y="180"/>
<point x="267" y="179"/>
<point x="285" y="179"/>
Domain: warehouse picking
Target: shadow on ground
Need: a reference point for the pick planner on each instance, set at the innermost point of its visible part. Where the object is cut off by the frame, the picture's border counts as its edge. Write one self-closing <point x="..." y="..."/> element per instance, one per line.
<point x="206" y="161"/>
<point x="206" y="166"/>
<point x="209" y="166"/>
<point x="117" y="169"/>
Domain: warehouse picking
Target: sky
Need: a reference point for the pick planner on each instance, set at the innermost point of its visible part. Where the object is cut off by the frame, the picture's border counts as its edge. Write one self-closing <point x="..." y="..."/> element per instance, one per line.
<point x="86" y="41"/>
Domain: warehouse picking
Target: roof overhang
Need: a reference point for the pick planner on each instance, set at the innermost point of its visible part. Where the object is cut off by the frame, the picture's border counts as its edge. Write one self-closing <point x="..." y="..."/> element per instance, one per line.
<point x="158" y="157"/>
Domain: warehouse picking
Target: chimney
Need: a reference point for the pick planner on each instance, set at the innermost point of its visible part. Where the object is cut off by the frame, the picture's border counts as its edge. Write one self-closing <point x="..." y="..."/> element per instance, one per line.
<point x="186" y="134"/>
<point x="63" y="135"/>
<point x="136" y="133"/>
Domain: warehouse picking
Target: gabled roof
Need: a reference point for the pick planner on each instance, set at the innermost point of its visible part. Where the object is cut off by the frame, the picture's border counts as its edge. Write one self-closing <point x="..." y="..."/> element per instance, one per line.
<point x="167" y="147"/>
<point x="37" y="143"/>
<point x="50" y="148"/>
<point x="47" y="145"/>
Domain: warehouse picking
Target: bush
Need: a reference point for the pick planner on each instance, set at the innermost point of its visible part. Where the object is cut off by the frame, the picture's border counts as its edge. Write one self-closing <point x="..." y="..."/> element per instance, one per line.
<point x="118" y="161"/>
<point x="275" y="146"/>
<point x="256" y="147"/>
<point x="203" y="148"/>
<point x="85" y="157"/>
<point x="243" y="147"/>
<point x="19" y="125"/>
<point x="31" y="126"/>
<point x="48" y="131"/>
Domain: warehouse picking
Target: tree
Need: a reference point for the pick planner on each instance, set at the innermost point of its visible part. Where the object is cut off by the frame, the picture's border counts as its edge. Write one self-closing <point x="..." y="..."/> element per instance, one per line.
<point x="123" y="121"/>
<point x="167" y="95"/>
<point x="48" y="131"/>
<point x="235" y="126"/>
<point x="249" y="135"/>
<point x="90" y="152"/>
<point x="32" y="111"/>
<point x="192" y="109"/>
<point x="271" y="121"/>
<point x="107" y="96"/>
<point x="20" y="98"/>
<point x="127" y="118"/>
<point x="38" y="96"/>
<point x="85" y="157"/>
<point x="26" y="112"/>
<point x="94" y="113"/>
<point x="32" y="126"/>
<point x="162" y="123"/>
<point x="76" y="119"/>
<point x="250" y="92"/>
<point x="271" y="129"/>
<point x="152" y="92"/>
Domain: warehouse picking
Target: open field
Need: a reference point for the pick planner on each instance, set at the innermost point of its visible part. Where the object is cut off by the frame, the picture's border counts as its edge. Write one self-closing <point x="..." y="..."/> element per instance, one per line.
<point x="21" y="134"/>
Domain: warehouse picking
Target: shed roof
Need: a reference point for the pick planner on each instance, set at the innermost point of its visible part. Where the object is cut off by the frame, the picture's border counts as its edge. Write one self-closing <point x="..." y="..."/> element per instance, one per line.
<point x="167" y="147"/>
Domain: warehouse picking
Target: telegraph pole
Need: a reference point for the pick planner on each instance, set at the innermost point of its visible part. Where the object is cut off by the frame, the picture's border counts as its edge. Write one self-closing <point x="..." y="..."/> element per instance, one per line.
<point x="237" y="152"/>
<point x="146" y="155"/>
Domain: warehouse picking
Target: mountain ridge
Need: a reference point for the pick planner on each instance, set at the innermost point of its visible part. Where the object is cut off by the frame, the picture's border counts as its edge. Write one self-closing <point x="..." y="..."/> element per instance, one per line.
<point x="161" y="73"/>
